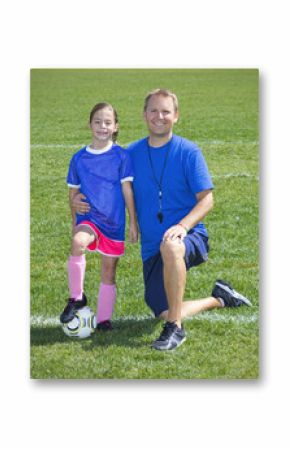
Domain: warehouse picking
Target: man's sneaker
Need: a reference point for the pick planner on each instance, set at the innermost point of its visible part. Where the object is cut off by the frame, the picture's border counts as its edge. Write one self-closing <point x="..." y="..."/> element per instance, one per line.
<point x="72" y="306"/>
<point x="105" y="326"/>
<point x="170" y="338"/>
<point x="228" y="296"/>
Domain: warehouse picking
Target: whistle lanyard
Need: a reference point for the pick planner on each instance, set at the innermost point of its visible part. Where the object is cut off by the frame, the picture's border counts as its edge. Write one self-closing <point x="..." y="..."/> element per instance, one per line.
<point x="158" y="181"/>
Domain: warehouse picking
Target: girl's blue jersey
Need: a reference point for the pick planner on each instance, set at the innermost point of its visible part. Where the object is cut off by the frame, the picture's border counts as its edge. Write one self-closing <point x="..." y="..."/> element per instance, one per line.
<point x="99" y="176"/>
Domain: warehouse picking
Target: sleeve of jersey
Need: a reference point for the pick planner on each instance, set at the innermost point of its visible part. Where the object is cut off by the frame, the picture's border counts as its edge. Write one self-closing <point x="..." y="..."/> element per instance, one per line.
<point x="126" y="168"/>
<point x="198" y="175"/>
<point x="72" y="179"/>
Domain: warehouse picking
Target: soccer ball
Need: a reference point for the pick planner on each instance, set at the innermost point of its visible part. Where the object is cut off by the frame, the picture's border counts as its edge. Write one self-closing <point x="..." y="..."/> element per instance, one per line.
<point x="82" y="325"/>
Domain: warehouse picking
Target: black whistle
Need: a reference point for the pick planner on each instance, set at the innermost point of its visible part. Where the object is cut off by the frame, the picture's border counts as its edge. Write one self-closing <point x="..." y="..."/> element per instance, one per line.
<point x="160" y="217"/>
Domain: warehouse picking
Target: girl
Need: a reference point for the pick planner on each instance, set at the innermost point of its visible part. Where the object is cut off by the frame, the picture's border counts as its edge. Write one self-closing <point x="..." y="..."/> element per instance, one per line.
<point x="102" y="172"/>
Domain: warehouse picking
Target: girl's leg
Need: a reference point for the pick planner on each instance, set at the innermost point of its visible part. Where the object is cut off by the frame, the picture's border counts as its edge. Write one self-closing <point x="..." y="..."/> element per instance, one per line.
<point x="76" y="273"/>
<point x="107" y="290"/>
<point x="77" y="262"/>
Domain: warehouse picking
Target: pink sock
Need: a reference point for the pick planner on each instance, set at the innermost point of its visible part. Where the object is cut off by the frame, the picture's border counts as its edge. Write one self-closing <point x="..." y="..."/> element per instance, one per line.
<point x="106" y="302"/>
<point x="76" y="273"/>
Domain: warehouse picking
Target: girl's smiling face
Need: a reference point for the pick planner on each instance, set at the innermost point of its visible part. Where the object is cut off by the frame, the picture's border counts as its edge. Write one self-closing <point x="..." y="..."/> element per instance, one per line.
<point x="103" y="126"/>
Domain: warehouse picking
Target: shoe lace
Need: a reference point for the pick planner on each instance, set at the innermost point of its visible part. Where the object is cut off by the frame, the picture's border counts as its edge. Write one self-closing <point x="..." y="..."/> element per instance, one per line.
<point x="106" y="323"/>
<point x="69" y="304"/>
<point x="167" y="330"/>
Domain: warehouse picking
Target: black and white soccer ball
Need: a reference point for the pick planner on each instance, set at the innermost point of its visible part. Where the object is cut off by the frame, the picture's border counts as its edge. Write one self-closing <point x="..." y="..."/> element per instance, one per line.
<point x="82" y="325"/>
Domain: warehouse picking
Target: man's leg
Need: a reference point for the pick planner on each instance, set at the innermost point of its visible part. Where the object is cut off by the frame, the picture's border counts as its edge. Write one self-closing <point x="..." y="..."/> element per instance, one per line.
<point x="194" y="246"/>
<point x="193" y="307"/>
<point x="225" y="296"/>
<point x="174" y="275"/>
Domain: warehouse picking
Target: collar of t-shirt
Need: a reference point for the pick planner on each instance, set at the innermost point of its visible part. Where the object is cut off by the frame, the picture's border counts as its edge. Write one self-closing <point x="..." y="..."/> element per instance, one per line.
<point x="103" y="150"/>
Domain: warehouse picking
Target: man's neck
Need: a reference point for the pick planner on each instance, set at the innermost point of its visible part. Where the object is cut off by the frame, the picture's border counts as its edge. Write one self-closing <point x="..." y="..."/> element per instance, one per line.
<point x="159" y="141"/>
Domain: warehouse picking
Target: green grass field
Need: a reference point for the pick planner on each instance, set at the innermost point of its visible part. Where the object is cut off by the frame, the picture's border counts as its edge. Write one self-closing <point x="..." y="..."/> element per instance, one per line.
<point x="219" y="111"/>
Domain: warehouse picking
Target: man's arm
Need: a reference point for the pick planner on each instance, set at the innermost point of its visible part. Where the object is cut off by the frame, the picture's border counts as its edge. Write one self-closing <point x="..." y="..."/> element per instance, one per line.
<point x="71" y="195"/>
<point x="80" y="207"/>
<point x="197" y="214"/>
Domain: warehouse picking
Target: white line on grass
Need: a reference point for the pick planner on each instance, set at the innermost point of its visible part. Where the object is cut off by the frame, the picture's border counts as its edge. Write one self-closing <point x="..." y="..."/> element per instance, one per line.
<point x="56" y="145"/>
<point x="200" y="142"/>
<point x="235" y="175"/>
<point x="224" y="176"/>
<point x="42" y="321"/>
<point x="227" y="142"/>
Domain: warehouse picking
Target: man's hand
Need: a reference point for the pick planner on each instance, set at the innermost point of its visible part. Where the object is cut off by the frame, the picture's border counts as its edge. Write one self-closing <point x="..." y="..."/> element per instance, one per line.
<point x="203" y="206"/>
<point x="175" y="232"/>
<point x="79" y="206"/>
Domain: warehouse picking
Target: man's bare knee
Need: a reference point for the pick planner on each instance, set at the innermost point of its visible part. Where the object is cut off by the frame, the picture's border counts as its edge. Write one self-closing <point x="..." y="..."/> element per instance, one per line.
<point x="172" y="250"/>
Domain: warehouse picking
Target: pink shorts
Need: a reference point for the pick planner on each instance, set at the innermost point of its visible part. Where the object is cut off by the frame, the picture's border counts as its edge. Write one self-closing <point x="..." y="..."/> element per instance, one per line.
<point x="103" y="244"/>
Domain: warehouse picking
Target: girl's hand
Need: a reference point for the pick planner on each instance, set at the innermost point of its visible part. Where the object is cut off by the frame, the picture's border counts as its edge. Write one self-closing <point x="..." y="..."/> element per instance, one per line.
<point x="133" y="233"/>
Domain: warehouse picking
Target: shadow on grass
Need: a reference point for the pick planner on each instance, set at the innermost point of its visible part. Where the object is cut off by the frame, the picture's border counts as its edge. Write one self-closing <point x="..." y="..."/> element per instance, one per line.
<point x="129" y="333"/>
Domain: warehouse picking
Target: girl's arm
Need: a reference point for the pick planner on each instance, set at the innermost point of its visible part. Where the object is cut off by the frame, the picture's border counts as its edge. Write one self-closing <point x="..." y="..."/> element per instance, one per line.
<point x="130" y="204"/>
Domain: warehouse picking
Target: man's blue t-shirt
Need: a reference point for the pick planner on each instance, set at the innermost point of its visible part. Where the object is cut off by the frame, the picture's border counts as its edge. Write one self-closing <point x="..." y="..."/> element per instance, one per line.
<point x="99" y="176"/>
<point x="185" y="175"/>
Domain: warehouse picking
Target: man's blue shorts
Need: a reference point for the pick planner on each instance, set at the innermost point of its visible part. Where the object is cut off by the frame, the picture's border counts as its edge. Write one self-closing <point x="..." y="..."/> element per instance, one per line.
<point x="196" y="252"/>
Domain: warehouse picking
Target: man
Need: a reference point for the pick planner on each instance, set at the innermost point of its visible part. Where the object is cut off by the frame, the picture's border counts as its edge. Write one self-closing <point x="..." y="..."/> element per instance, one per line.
<point x="173" y="193"/>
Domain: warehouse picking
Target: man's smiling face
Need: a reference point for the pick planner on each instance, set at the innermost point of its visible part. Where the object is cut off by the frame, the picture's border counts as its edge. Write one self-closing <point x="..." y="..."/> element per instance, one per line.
<point x="160" y="115"/>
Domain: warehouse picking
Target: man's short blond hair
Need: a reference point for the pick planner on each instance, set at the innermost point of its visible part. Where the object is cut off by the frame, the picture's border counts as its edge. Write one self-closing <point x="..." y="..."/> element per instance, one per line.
<point x="164" y="93"/>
